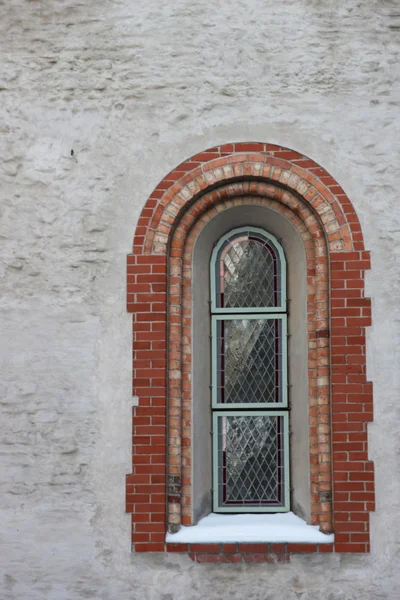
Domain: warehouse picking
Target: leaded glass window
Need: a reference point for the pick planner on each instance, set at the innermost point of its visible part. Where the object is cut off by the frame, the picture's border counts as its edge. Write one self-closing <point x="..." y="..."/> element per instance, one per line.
<point x="249" y="373"/>
<point x="248" y="273"/>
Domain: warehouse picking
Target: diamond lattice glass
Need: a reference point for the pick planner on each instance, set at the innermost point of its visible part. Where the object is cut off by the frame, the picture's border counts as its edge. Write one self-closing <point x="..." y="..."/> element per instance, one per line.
<point x="249" y="361"/>
<point x="251" y="460"/>
<point x="248" y="273"/>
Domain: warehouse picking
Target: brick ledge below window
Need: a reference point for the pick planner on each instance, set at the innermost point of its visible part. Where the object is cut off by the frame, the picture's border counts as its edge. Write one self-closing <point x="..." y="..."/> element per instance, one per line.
<point x="250" y="528"/>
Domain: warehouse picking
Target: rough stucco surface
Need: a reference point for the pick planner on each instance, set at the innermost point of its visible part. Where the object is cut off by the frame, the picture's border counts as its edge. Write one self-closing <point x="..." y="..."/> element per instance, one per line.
<point x="134" y="88"/>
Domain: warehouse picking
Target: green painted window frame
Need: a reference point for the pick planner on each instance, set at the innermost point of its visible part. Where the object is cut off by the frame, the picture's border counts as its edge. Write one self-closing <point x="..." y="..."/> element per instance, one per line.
<point x="253" y="408"/>
<point x="286" y="464"/>
<point x="214" y="361"/>
<point x="272" y="309"/>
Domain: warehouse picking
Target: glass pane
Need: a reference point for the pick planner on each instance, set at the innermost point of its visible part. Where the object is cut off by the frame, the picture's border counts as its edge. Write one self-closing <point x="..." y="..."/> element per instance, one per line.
<point x="248" y="273"/>
<point x="250" y="460"/>
<point x="249" y="361"/>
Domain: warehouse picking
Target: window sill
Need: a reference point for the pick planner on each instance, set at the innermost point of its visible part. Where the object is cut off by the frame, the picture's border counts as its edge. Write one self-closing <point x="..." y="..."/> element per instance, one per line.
<point x="280" y="527"/>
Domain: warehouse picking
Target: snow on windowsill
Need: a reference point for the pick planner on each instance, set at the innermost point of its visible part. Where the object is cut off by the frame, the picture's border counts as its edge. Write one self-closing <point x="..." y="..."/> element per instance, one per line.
<point x="279" y="527"/>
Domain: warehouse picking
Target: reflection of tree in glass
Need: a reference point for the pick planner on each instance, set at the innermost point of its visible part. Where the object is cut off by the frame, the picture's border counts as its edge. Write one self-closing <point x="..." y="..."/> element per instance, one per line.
<point x="251" y="458"/>
<point x="250" y="360"/>
<point x="248" y="275"/>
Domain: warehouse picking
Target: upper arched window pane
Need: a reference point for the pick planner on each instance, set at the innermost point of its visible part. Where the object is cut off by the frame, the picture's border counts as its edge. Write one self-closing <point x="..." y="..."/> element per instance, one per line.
<point x="249" y="271"/>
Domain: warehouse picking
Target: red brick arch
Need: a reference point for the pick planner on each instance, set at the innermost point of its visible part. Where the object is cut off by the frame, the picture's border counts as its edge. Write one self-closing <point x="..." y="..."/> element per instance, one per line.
<point x="172" y="218"/>
<point x="233" y="161"/>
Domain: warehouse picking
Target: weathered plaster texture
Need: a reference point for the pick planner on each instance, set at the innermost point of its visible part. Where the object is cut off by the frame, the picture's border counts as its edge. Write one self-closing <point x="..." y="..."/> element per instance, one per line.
<point x="134" y="88"/>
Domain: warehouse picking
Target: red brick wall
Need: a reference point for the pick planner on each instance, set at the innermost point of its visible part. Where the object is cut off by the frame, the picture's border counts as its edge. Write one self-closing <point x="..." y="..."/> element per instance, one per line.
<point x="145" y="487"/>
<point x="340" y="395"/>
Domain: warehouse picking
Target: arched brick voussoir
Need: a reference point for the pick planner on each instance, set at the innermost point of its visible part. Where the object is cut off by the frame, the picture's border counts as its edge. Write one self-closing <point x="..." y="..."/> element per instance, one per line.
<point x="309" y="222"/>
<point x="340" y="221"/>
<point x="292" y="189"/>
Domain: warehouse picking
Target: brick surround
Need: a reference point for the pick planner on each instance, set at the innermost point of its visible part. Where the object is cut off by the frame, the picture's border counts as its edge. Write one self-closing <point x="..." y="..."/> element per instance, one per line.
<point x="340" y="397"/>
<point x="246" y="553"/>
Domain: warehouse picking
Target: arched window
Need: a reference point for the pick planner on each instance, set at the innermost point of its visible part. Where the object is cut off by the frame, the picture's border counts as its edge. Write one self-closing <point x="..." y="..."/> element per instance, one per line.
<point x="169" y="283"/>
<point x="249" y="373"/>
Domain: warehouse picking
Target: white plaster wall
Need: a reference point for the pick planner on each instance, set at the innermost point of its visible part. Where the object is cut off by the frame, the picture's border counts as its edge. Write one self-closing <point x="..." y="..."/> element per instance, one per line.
<point x="135" y="87"/>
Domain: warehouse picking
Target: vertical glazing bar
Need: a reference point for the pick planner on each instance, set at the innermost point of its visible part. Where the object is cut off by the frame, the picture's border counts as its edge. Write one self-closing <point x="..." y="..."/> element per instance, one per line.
<point x="286" y="500"/>
<point x="214" y="361"/>
<point x="215" y="462"/>
<point x="284" y="392"/>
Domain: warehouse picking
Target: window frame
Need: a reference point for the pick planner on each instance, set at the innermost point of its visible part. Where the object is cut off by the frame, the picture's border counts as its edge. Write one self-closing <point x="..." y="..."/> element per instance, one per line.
<point x="218" y="409"/>
<point x="286" y="465"/>
<point x="273" y="309"/>
<point x="214" y="361"/>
